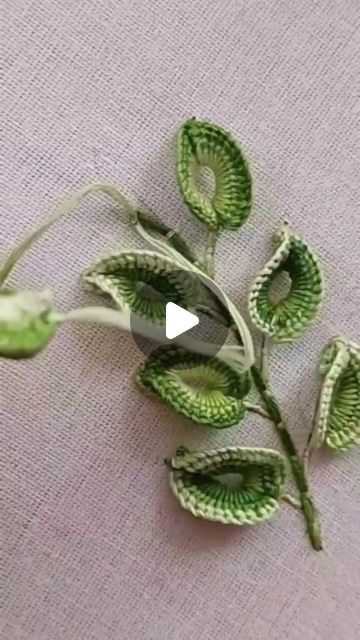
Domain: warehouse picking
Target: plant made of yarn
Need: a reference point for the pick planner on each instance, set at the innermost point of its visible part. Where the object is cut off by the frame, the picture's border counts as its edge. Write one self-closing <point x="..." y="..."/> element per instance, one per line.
<point x="235" y="484"/>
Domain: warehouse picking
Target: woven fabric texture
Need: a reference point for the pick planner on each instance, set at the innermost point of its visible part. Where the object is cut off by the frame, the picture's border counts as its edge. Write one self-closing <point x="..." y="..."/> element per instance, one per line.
<point x="95" y="547"/>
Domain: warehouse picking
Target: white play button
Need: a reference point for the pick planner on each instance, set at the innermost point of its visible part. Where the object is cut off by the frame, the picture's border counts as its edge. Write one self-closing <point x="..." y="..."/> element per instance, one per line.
<point x="178" y="320"/>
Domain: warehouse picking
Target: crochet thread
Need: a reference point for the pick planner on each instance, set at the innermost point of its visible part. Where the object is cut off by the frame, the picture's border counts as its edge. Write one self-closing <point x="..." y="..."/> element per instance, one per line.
<point x="143" y="282"/>
<point x="286" y="319"/>
<point x="27" y="322"/>
<point x="205" y="390"/>
<point x="202" y="144"/>
<point x="337" y="422"/>
<point x="233" y="485"/>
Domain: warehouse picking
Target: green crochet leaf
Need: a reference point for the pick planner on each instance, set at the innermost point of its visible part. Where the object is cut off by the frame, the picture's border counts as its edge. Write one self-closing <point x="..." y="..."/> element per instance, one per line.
<point x="286" y="319"/>
<point x="160" y="230"/>
<point x="206" y="390"/>
<point x="245" y="353"/>
<point x="27" y="323"/>
<point x="232" y="485"/>
<point x="200" y="145"/>
<point x="338" y="413"/>
<point x="143" y="282"/>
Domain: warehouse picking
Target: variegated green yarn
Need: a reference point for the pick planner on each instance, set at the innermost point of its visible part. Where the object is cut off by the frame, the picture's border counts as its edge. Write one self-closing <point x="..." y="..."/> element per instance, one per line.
<point x="205" y="390"/>
<point x="143" y="282"/>
<point x="232" y="485"/>
<point x="287" y="319"/>
<point x="338" y="413"/>
<point x="200" y="145"/>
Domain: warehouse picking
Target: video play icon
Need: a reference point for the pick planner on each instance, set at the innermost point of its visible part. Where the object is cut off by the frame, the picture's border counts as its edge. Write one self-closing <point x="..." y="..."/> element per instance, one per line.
<point x="205" y="320"/>
<point x="178" y="320"/>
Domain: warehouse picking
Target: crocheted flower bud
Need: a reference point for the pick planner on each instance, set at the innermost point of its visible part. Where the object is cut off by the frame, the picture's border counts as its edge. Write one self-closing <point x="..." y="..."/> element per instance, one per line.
<point x="27" y="322"/>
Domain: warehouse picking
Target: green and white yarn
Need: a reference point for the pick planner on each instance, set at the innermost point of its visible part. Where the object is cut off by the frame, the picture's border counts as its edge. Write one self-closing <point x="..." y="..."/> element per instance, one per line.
<point x="143" y="282"/>
<point x="232" y="485"/>
<point x="206" y="390"/>
<point x="286" y="320"/>
<point x="338" y="413"/>
<point x="200" y="145"/>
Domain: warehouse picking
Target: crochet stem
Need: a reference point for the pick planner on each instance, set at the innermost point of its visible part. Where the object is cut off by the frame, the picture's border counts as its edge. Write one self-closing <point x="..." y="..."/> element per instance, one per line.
<point x="311" y="443"/>
<point x="254" y="408"/>
<point x="209" y="258"/>
<point x="69" y="203"/>
<point x="264" y="358"/>
<point x="294" y="502"/>
<point x="294" y="459"/>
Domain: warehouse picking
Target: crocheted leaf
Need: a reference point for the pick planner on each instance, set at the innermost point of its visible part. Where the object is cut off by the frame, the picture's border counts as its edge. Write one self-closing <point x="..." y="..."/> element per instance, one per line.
<point x="206" y="390"/>
<point x="26" y="323"/>
<point x="200" y="145"/>
<point x="245" y="353"/>
<point x="232" y="485"/>
<point x="338" y="413"/>
<point x="286" y="319"/>
<point x="143" y="282"/>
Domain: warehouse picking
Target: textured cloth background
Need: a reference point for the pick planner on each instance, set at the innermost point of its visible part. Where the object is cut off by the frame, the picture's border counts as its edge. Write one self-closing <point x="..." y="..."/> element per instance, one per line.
<point x="95" y="546"/>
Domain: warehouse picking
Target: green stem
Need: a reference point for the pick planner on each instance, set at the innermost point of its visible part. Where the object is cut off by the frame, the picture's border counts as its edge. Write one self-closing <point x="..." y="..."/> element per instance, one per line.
<point x="311" y="443"/>
<point x="65" y="207"/>
<point x="293" y="502"/>
<point x="254" y="408"/>
<point x="264" y="358"/>
<point x="295" y="460"/>
<point x="209" y="258"/>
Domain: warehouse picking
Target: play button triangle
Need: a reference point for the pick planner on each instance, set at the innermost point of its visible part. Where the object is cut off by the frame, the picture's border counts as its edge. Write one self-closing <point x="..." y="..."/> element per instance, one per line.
<point x="178" y="320"/>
